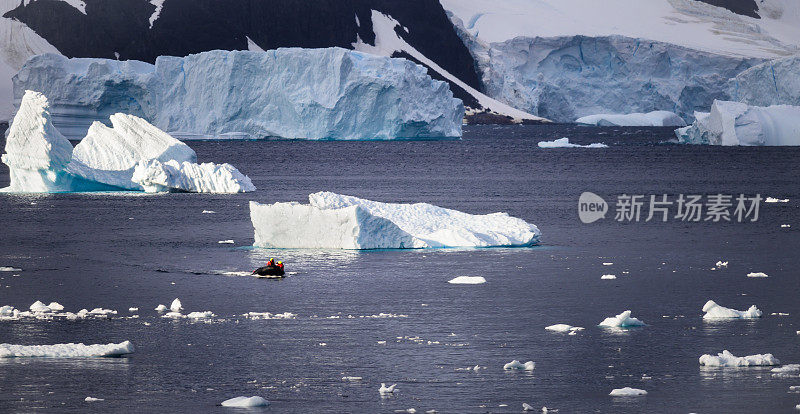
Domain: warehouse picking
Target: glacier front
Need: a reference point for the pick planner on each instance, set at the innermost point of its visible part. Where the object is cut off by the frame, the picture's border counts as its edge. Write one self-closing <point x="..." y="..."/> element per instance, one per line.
<point x="329" y="93"/>
<point x="776" y="82"/>
<point x="736" y="123"/>
<point x="344" y="222"/>
<point x="133" y="155"/>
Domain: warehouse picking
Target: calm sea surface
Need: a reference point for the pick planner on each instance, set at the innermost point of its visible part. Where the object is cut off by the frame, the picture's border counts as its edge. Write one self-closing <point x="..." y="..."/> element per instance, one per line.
<point x="124" y="250"/>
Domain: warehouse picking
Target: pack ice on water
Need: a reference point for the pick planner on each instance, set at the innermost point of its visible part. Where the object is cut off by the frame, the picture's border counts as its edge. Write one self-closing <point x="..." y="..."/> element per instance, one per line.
<point x="343" y="222"/>
<point x="131" y="155"/>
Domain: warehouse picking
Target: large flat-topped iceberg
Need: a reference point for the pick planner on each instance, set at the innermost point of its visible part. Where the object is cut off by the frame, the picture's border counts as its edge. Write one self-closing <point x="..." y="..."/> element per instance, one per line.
<point x="126" y="157"/>
<point x="653" y="119"/>
<point x="328" y="93"/>
<point x="736" y="123"/>
<point x="343" y="222"/>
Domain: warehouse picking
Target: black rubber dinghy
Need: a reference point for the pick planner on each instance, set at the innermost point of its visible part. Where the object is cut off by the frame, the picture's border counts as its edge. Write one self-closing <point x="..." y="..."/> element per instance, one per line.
<point x="269" y="272"/>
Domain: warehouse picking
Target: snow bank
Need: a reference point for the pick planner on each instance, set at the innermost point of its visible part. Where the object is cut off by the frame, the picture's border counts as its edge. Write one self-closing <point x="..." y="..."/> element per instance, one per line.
<point x="714" y="311"/>
<point x="328" y="93"/>
<point x="726" y="359"/>
<point x="66" y="350"/>
<point x="36" y="153"/>
<point x="515" y="364"/>
<point x="155" y="176"/>
<point x="564" y="143"/>
<point x="736" y="123"/>
<point x="467" y="280"/>
<point x="109" y="155"/>
<point x="652" y="119"/>
<point x="254" y="401"/>
<point x="627" y="392"/>
<point x="343" y="222"/>
<point x="623" y="320"/>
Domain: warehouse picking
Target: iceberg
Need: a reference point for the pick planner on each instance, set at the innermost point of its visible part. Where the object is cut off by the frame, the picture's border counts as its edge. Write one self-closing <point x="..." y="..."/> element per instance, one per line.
<point x="776" y="82"/>
<point x="726" y="359"/>
<point x="133" y="155"/>
<point x="757" y="274"/>
<point x="329" y="93"/>
<point x="244" y="402"/>
<point x="714" y="311"/>
<point x="515" y="364"/>
<point x="66" y="350"/>
<point x="736" y="123"/>
<point x="343" y="222"/>
<point x="467" y="280"/>
<point x="623" y="320"/>
<point x="651" y="119"/>
<point x="563" y="327"/>
<point x="627" y="392"/>
<point x="564" y="143"/>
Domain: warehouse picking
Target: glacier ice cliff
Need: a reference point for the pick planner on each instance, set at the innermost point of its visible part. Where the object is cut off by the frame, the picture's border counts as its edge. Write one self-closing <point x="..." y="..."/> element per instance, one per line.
<point x="564" y="78"/>
<point x="343" y="222"/>
<point x="125" y="157"/>
<point x="776" y="82"/>
<point x="330" y="93"/>
<point x="736" y="123"/>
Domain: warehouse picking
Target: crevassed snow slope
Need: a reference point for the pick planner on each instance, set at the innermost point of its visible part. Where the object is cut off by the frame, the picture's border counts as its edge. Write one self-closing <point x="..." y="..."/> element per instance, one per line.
<point x="330" y="93"/>
<point x="686" y="23"/>
<point x="736" y="123"/>
<point x="654" y="119"/>
<point x="388" y="42"/>
<point x="336" y="221"/>
<point x="17" y="43"/>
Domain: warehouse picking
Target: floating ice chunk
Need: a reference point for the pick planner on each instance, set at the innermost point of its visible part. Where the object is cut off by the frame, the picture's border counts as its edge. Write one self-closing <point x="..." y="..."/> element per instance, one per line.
<point x="352" y="378"/>
<point x="564" y="143"/>
<point x="757" y="274"/>
<point x="133" y="309"/>
<point x="714" y="311"/>
<point x="225" y="242"/>
<point x="110" y="155"/>
<point x="209" y="212"/>
<point x="176" y="305"/>
<point x="156" y="176"/>
<point x="65" y="350"/>
<point x="161" y="308"/>
<point x="627" y="392"/>
<point x="36" y="152"/>
<point x="562" y="327"/>
<point x="267" y="315"/>
<point x="608" y="277"/>
<point x="607" y="263"/>
<point x="200" y="315"/>
<point x="343" y="222"/>
<point x="721" y="264"/>
<point x="38" y="306"/>
<point x="55" y="306"/>
<point x="527" y="407"/>
<point x="254" y="401"/>
<point x="726" y="359"/>
<point x="776" y="200"/>
<point x="652" y="119"/>
<point x="387" y="390"/>
<point x="173" y="315"/>
<point x="467" y="280"/>
<point x="785" y="226"/>
<point x="9" y="269"/>
<point x="786" y="369"/>
<point x="623" y="320"/>
<point x="515" y="364"/>
<point x="736" y="123"/>
<point x="92" y="399"/>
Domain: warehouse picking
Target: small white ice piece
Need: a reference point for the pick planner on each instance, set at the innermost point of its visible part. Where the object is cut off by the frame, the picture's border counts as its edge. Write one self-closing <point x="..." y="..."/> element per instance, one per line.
<point x="244" y="402"/>
<point x="515" y="364"/>
<point x="467" y="280"/>
<point x="627" y="392"/>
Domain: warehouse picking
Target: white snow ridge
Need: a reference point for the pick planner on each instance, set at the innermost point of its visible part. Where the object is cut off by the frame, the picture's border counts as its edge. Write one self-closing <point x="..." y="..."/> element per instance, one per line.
<point x="65" y="350"/>
<point x="343" y="222"/>
<point x="714" y="311"/>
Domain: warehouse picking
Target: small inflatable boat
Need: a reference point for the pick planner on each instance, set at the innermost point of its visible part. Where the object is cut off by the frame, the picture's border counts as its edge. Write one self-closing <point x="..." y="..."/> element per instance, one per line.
<point x="269" y="272"/>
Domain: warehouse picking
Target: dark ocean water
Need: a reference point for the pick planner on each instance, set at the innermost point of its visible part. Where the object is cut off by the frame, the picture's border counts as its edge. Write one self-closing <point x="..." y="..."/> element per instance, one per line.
<point x="122" y="250"/>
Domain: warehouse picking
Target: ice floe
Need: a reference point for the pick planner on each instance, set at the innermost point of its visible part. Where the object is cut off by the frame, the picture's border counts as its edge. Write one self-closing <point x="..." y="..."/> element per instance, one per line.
<point x="69" y="350"/>
<point x="9" y="269"/>
<point x="715" y="311"/>
<point x="343" y="222"/>
<point x="720" y="264"/>
<point x="161" y="308"/>
<point x="93" y="399"/>
<point x="176" y="305"/>
<point x="352" y="378"/>
<point x="651" y="119"/>
<point x="563" y="327"/>
<point x="608" y="277"/>
<point x="516" y="365"/>
<point x="627" y="392"/>
<point x="757" y="274"/>
<point x="267" y="315"/>
<point x="467" y="280"/>
<point x="387" y="390"/>
<point x="786" y="370"/>
<point x="623" y="320"/>
<point x="229" y="241"/>
<point x="776" y="200"/>
<point x="726" y="359"/>
<point x="244" y="402"/>
<point x="564" y="143"/>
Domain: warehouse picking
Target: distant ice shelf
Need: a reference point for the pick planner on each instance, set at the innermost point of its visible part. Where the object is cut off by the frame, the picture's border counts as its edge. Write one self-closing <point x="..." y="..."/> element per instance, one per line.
<point x="343" y="222"/>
